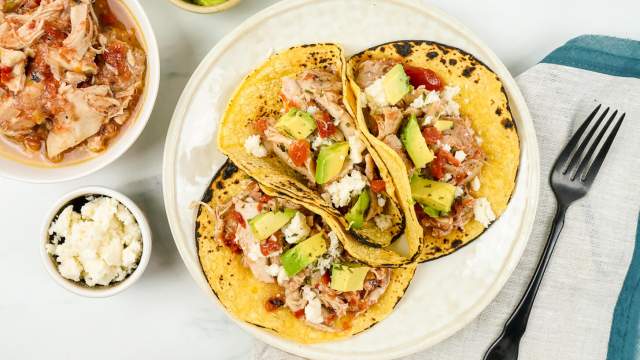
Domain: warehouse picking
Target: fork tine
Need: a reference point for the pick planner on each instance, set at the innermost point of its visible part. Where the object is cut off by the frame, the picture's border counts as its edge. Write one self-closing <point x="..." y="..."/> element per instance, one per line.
<point x="592" y="149"/>
<point x="576" y="155"/>
<point x="566" y="151"/>
<point x="597" y="162"/>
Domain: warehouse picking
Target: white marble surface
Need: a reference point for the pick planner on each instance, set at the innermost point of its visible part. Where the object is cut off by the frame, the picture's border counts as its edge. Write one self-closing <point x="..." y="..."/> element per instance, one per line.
<point x="165" y="315"/>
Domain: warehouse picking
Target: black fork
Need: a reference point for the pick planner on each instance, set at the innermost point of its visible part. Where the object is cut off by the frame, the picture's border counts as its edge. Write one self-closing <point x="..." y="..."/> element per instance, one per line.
<point x="571" y="178"/>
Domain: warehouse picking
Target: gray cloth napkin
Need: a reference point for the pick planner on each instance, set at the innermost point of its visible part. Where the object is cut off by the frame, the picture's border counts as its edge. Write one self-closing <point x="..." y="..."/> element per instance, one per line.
<point x="572" y="314"/>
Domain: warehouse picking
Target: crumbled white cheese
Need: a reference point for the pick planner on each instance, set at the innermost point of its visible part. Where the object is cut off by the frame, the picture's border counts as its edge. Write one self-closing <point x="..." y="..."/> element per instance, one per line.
<point x="273" y="269"/>
<point x="317" y="142"/>
<point x="313" y="309"/>
<point x="447" y="177"/>
<point x="449" y="92"/>
<point x="460" y="155"/>
<point x="482" y="211"/>
<point x="451" y="108"/>
<point x="297" y="229"/>
<point x="375" y="93"/>
<point x="432" y="97"/>
<point x="475" y="184"/>
<point x="248" y="209"/>
<point x="101" y="245"/>
<point x="381" y="200"/>
<point x="282" y="276"/>
<point x="428" y="119"/>
<point x="383" y="221"/>
<point x="356" y="147"/>
<point x="312" y="109"/>
<point x="343" y="190"/>
<point x="253" y="146"/>
<point x="253" y="245"/>
<point x="478" y="140"/>
<point x="335" y="248"/>
<point x="459" y="191"/>
<point x="418" y="102"/>
<point x="446" y="147"/>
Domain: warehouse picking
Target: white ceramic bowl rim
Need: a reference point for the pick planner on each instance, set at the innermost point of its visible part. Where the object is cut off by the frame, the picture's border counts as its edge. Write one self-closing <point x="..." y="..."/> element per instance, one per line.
<point x="22" y="172"/>
<point x="98" y="291"/>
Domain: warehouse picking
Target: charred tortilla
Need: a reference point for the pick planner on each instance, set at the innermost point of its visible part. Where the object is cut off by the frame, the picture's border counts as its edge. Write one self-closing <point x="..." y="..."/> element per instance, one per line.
<point x="244" y="296"/>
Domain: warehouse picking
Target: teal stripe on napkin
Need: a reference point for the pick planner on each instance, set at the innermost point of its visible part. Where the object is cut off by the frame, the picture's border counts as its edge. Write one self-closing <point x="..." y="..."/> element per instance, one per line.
<point x="625" y="329"/>
<point x="603" y="54"/>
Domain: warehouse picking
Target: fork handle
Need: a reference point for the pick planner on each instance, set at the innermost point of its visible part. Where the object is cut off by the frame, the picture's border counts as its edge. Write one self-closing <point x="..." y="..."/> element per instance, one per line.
<point x="506" y="346"/>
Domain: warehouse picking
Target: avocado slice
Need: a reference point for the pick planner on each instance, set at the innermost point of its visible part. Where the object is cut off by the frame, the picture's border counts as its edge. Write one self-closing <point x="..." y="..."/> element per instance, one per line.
<point x="355" y="216"/>
<point x="296" y="123"/>
<point x="330" y="161"/>
<point x="415" y="144"/>
<point x="303" y="254"/>
<point x="431" y="212"/>
<point x="395" y="84"/>
<point x="348" y="277"/>
<point x="435" y="194"/>
<point x="208" y="2"/>
<point x="265" y="224"/>
<point x="443" y="125"/>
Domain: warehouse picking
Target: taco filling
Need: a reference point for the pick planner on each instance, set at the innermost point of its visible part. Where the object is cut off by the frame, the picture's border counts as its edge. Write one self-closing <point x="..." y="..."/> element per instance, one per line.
<point x="314" y="135"/>
<point x="417" y="115"/>
<point x="284" y="244"/>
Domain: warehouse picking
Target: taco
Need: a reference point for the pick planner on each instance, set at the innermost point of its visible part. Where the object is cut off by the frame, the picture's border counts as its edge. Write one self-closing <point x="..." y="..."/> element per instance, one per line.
<point x="440" y="120"/>
<point x="286" y="125"/>
<point x="275" y="264"/>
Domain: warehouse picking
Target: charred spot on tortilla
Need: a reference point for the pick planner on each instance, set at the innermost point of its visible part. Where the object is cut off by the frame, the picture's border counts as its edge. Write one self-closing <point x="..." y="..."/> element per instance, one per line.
<point x="453" y="61"/>
<point x="432" y="54"/>
<point x="456" y="243"/>
<point x="507" y="123"/>
<point x="468" y="71"/>
<point x="219" y="185"/>
<point x="228" y="170"/>
<point x="498" y="111"/>
<point x="404" y="48"/>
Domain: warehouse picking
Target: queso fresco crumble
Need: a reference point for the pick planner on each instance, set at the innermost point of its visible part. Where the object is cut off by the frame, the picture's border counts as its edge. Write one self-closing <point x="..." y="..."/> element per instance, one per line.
<point x="100" y="245"/>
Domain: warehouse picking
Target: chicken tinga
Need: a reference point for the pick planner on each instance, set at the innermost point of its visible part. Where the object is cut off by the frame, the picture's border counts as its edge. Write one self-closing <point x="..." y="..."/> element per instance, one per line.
<point x="287" y="126"/>
<point x="270" y="260"/>
<point x="418" y="109"/>
<point x="315" y="136"/>
<point x="71" y="75"/>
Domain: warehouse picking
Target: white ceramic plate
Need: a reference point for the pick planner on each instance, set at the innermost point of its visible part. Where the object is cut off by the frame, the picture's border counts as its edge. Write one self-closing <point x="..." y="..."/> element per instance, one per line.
<point x="445" y="295"/>
<point x="13" y="166"/>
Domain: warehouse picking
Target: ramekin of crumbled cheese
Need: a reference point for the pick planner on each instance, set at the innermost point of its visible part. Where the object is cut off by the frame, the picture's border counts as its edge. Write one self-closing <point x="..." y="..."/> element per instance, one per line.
<point x="96" y="242"/>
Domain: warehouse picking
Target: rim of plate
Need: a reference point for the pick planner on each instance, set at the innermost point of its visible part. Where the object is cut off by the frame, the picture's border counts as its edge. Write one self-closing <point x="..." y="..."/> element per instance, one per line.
<point x="516" y="100"/>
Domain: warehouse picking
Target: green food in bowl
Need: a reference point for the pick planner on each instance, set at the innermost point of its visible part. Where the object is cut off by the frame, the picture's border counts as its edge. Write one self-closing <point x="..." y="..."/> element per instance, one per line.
<point x="207" y="2"/>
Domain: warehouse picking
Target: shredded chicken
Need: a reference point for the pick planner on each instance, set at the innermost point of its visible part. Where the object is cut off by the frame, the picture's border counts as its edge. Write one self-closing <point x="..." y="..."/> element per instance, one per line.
<point x="369" y="71"/>
<point x="390" y="121"/>
<point x="396" y="145"/>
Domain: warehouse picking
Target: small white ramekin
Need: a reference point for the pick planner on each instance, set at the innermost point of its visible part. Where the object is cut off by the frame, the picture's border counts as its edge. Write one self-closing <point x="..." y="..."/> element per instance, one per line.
<point x="78" y="287"/>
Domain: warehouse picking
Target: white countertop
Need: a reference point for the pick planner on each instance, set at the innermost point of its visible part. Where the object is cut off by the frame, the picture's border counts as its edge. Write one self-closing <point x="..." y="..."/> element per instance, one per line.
<point x="165" y="315"/>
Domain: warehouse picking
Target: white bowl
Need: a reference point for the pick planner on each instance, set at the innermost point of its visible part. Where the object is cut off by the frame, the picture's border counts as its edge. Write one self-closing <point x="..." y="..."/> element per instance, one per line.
<point x="14" y="169"/>
<point x="78" y="287"/>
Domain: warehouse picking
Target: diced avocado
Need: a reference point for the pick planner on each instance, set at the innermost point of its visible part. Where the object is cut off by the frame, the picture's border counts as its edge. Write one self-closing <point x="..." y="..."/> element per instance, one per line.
<point x="443" y="125"/>
<point x="431" y="211"/>
<point x="415" y="144"/>
<point x="303" y="254"/>
<point x="355" y="216"/>
<point x="264" y="225"/>
<point x="296" y="123"/>
<point x="208" y="2"/>
<point x="396" y="84"/>
<point x="330" y="161"/>
<point x="348" y="277"/>
<point x="437" y="195"/>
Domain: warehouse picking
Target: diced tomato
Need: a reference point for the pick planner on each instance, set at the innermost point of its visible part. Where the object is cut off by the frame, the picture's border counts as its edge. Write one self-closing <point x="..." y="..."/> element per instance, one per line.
<point x="238" y="218"/>
<point x="326" y="278"/>
<point x="431" y="135"/>
<point x="229" y="240"/>
<point x="269" y="246"/>
<point x="299" y="152"/>
<point x="326" y="127"/>
<point x="378" y="185"/>
<point x="299" y="314"/>
<point x="261" y="125"/>
<point x="331" y="317"/>
<point x="437" y="167"/>
<point x="265" y="198"/>
<point x="288" y="105"/>
<point x="5" y="74"/>
<point x="421" y="76"/>
<point x="448" y="156"/>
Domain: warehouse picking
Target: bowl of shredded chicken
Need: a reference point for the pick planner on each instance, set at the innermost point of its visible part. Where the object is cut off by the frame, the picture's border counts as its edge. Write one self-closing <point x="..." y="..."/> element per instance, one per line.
<point x="76" y="77"/>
